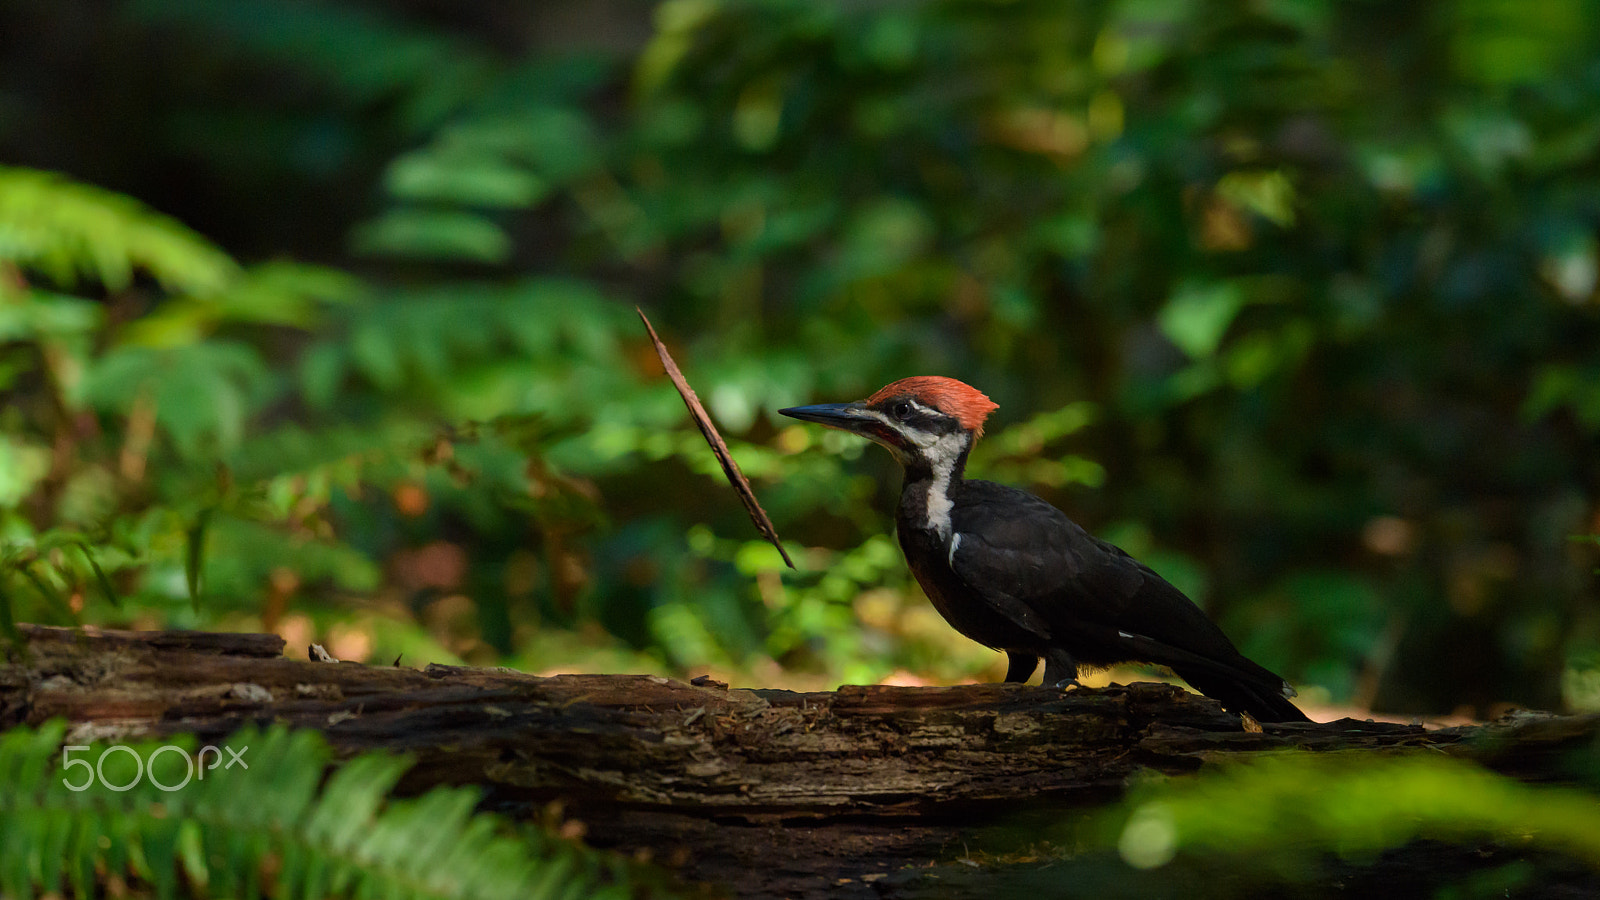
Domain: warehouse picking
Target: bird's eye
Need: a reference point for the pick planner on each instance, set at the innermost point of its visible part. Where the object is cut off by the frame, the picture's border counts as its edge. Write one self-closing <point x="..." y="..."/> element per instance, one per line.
<point x="901" y="409"/>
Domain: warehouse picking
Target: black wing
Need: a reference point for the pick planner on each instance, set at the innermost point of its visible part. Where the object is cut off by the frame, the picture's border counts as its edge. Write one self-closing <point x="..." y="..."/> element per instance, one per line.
<point x="1100" y="604"/>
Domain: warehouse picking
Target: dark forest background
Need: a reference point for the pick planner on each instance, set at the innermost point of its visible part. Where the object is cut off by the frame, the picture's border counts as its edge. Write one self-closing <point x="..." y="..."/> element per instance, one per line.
<point x="317" y="317"/>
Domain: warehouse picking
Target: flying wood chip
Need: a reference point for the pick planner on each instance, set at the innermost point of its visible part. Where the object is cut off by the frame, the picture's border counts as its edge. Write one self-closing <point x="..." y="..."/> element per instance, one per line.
<point x="729" y="467"/>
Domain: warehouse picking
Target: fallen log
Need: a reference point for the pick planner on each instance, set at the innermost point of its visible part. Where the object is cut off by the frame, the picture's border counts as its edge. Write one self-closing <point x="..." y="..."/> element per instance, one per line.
<point x="766" y="793"/>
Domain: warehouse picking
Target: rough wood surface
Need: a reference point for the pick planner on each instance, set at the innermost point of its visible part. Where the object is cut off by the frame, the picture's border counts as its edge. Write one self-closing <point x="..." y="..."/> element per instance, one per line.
<point x="768" y="793"/>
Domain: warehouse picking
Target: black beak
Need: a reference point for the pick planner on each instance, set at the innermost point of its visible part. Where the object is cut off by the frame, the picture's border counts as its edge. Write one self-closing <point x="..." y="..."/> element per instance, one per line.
<point x="845" y="416"/>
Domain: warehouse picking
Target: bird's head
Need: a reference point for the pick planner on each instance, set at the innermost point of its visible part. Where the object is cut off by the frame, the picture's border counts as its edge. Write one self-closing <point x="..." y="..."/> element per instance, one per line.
<point x="926" y="419"/>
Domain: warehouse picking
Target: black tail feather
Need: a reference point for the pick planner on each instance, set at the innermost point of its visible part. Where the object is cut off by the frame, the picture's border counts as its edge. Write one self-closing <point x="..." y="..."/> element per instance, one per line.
<point x="1237" y="695"/>
<point x="1239" y="684"/>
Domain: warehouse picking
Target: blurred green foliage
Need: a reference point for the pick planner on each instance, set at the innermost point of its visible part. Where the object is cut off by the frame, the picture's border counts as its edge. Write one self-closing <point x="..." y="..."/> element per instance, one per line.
<point x="1281" y="813"/>
<point x="1296" y="299"/>
<point x="1312" y="824"/>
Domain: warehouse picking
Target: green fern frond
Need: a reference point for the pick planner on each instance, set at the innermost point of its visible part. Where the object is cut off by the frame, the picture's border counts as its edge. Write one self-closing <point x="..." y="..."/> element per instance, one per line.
<point x="542" y="345"/>
<point x="203" y="394"/>
<point x="67" y="231"/>
<point x="340" y="453"/>
<point x="67" y="556"/>
<point x="434" y="234"/>
<point x="280" y="293"/>
<point x="39" y="567"/>
<point x="257" y="818"/>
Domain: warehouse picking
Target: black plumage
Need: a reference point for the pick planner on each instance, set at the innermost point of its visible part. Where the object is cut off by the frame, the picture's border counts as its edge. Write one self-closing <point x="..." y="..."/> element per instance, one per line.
<point x="1026" y="579"/>
<point x="1007" y="569"/>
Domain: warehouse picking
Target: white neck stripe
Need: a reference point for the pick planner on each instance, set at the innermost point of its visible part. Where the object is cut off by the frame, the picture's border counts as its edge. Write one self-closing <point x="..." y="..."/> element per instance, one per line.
<point x="942" y="457"/>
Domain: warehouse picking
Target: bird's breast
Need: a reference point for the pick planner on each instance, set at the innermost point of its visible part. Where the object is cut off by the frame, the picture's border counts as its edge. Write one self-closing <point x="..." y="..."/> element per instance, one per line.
<point x="929" y="555"/>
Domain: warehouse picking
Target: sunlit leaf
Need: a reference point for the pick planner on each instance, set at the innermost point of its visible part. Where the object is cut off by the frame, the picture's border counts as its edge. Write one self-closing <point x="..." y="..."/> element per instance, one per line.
<point x="107" y="589"/>
<point x="1198" y="315"/>
<point x="194" y="554"/>
<point x="486" y="182"/>
<point x="433" y="234"/>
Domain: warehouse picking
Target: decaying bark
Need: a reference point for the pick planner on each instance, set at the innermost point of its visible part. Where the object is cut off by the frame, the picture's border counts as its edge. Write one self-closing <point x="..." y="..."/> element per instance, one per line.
<point x="768" y="793"/>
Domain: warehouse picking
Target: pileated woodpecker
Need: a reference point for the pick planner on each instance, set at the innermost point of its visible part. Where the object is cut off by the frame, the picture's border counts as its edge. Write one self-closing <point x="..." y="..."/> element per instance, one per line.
<point x="1012" y="572"/>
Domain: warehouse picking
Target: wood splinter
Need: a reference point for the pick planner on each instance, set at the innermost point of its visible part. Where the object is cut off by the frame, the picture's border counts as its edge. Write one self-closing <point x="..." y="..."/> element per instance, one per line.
<point x="718" y="446"/>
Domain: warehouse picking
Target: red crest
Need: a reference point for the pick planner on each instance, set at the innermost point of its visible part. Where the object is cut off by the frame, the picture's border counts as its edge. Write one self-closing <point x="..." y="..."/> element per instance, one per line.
<point x="968" y="404"/>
